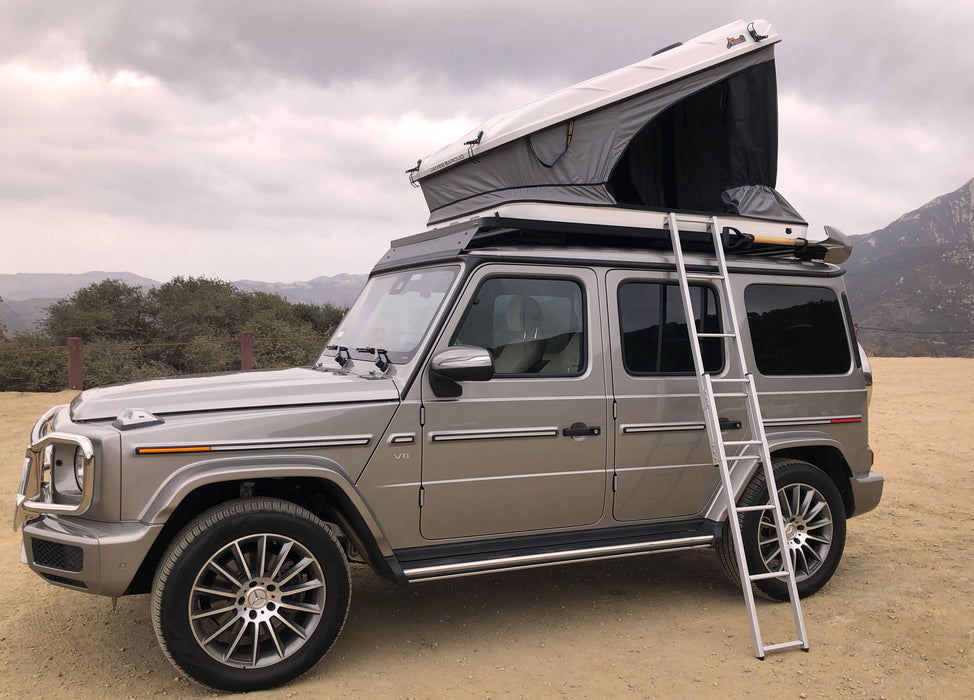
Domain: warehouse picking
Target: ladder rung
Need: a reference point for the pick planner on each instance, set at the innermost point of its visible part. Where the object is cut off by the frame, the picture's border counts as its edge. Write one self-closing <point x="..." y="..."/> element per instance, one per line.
<point x="691" y="219"/>
<point x="786" y="645"/>
<point x="716" y="335"/>
<point x="704" y="276"/>
<point x="730" y="395"/>
<point x="770" y="574"/>
<point x="738" y="380"/>
<point x="741" y="458"/>
<point x="751" y="509"/>
<point x="742" y="443"/>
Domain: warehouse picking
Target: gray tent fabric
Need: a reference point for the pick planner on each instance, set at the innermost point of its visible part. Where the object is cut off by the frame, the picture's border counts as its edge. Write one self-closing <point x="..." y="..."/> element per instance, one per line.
<point x="760" y="202"/>
<point x="704" y="142"/>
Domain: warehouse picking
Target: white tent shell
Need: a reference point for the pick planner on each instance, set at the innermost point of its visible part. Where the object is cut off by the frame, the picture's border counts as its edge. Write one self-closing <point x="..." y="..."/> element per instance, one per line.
<point x="693" y="128"/>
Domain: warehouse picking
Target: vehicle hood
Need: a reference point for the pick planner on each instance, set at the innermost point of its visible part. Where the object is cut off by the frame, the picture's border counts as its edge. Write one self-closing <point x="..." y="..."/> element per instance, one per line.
<point x="238" y="390"/>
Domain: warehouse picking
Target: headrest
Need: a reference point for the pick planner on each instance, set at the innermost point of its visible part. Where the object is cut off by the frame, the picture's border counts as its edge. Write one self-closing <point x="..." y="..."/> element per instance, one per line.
<point x="524" y="314"/>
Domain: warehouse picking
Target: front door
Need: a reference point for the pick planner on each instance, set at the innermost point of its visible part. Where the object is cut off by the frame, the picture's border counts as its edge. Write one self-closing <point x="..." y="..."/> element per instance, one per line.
<point x="497" y="459"/>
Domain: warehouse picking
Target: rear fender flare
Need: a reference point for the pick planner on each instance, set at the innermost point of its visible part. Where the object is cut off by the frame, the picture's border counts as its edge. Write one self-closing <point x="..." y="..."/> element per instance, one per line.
<point x="742" y="473"/>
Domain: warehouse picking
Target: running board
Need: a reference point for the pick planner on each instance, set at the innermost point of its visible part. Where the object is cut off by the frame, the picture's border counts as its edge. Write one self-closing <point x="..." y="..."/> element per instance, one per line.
<point x="471" y="567"/>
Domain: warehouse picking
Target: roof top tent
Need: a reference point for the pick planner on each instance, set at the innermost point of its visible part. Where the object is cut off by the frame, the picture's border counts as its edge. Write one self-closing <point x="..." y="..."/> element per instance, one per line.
<point x="694" y="128"/>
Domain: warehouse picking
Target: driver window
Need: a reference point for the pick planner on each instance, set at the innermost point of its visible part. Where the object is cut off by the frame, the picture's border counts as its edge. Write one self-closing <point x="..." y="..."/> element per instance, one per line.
<point x="531" y="326"/>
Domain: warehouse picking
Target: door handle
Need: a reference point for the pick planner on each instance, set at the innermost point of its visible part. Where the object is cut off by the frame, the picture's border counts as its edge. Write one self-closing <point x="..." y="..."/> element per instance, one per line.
<point x="581" y="430"/>
<point x="728" y="424"/>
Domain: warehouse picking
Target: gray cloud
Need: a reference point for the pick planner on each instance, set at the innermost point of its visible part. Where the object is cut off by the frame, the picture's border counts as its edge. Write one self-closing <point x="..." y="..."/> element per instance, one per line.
<point x="219" y="135"/>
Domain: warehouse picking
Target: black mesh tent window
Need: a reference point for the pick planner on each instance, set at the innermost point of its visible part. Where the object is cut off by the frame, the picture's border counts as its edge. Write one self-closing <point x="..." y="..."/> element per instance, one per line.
<point x="717" y="139"/>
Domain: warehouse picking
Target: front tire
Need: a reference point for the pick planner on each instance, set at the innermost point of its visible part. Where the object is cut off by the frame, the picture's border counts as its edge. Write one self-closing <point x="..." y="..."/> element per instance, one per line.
<point x="250" y="595"/>
<point x="815" y="528"/>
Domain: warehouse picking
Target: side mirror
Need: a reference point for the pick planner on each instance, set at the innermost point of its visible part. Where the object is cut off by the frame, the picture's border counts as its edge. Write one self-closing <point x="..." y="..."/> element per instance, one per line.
<point x="461" y="363"/>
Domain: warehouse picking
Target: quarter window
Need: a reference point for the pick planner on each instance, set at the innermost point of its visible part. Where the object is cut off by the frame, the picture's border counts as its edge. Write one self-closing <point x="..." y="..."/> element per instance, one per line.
<point x="796" y="330"/>
<point x="532" y="326"/>
<point x="655" y="339"/>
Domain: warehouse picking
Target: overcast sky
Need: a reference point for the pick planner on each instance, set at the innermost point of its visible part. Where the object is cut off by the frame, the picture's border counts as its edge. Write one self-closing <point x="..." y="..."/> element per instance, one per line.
<point x="250" y="139"/>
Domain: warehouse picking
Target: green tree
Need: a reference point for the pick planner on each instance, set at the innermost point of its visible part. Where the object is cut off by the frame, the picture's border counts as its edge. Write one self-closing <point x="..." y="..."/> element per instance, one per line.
<point x="189" y="325"/>
<point x="107" y="311"/>
<point x="185" y="308"/>
<point x="29" y="363"/>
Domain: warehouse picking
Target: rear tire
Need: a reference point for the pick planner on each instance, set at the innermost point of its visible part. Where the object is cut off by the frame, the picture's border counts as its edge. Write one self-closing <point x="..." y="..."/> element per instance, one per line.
<point x="250" y="595"/>
<point x="815" y="526"/>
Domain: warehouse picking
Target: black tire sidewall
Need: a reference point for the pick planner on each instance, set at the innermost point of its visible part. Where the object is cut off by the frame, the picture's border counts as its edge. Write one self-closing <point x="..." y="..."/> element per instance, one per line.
<point x="788" y="473"/>
<point x="174" y="595"/>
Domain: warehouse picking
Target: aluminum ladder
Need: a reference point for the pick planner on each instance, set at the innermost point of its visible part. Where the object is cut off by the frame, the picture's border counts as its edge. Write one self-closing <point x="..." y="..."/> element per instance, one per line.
<point x="724" y="451"/>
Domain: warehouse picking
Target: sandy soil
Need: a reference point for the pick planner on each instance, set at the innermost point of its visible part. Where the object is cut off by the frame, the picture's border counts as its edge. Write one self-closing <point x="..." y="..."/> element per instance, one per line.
<point x="897" y="621"/>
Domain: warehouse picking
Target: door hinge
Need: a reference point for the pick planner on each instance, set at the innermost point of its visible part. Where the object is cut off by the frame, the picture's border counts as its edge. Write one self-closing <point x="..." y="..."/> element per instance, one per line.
<point x="615" y="410"/>
<point x="615" y="483"/>
<point x="422" y="414"/>
<point x="422" y="496"/>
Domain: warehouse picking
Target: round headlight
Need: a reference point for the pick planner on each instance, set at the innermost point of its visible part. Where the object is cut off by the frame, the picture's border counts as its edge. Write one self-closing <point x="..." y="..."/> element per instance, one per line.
<point x="79" y="468"/>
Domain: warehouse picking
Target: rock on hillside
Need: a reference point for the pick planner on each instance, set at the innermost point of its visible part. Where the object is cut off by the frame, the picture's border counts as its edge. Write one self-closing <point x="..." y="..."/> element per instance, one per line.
<point x="917" y="274"/>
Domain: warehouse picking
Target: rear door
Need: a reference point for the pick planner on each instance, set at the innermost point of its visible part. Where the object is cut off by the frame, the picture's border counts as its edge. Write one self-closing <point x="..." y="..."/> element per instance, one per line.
<point x="663" y="463"/>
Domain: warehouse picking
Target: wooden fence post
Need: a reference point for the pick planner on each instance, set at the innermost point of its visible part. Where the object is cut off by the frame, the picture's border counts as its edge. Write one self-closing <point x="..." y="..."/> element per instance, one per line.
<point x="246" y="350"/>
<point x="76" y="372"/>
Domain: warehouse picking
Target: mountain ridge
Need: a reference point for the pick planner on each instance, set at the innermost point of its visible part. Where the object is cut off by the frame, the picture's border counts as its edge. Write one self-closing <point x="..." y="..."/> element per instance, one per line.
<point x="911" y="283"/>
<point x="26" y="295"/>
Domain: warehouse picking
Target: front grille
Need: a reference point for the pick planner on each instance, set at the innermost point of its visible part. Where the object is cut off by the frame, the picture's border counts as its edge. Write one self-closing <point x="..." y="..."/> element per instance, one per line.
<point x="54" y="555"/>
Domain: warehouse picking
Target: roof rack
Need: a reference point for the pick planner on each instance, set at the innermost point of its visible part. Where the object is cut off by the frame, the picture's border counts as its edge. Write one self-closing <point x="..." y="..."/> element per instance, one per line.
<point x="505" y="230"/>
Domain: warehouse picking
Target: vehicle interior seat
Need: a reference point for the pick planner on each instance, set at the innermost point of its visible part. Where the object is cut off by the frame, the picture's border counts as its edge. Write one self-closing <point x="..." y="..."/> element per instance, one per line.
<point x="521" y="355"/>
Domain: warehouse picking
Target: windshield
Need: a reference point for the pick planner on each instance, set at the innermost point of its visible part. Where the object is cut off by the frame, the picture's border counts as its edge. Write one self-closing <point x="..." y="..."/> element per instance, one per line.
<point x="392" y="314"/>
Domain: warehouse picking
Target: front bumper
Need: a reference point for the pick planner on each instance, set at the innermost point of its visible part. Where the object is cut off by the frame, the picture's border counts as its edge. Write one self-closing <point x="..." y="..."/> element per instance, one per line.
<point x="87" y="555"/>
<point x="867" y="490"/>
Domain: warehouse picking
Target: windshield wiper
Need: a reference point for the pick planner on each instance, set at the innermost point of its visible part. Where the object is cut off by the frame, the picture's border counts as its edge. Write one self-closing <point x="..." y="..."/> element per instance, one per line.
<point x="382" y="361"/>
<point x="341" y="349"/>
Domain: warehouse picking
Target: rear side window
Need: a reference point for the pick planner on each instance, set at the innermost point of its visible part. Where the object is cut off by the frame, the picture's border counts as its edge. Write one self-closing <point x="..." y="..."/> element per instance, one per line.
<point x="796" y="330"/>
<point x="655" y="339"/>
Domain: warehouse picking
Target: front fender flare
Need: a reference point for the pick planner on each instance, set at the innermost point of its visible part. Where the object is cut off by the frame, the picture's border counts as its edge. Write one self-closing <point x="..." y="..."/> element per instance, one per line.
<point x="187" y="479"/>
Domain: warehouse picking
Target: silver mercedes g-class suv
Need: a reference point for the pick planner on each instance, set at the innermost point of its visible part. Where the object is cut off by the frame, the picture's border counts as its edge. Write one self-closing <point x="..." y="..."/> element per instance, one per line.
<point x="515" y="387"/>
<point x="487" y="404"/>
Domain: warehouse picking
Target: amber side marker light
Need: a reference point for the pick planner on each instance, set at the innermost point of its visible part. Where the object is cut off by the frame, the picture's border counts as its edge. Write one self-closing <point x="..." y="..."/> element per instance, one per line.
<point x="171" y="450"/>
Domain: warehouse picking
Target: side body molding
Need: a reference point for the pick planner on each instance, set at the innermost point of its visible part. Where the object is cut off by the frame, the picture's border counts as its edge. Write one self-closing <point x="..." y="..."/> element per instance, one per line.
<point x="189" y="478"/>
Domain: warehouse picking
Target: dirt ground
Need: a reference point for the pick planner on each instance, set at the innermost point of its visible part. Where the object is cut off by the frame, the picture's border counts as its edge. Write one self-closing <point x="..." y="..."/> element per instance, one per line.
<point x="897" y="621"/>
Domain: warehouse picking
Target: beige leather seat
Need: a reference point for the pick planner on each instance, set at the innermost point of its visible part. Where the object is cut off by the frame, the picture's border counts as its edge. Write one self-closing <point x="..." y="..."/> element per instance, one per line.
<point x="520" y="355"/>
<point x="569" y="360"/>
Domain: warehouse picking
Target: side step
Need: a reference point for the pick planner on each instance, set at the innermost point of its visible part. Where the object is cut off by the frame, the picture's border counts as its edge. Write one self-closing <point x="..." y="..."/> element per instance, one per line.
<point x="432" y="569"/>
